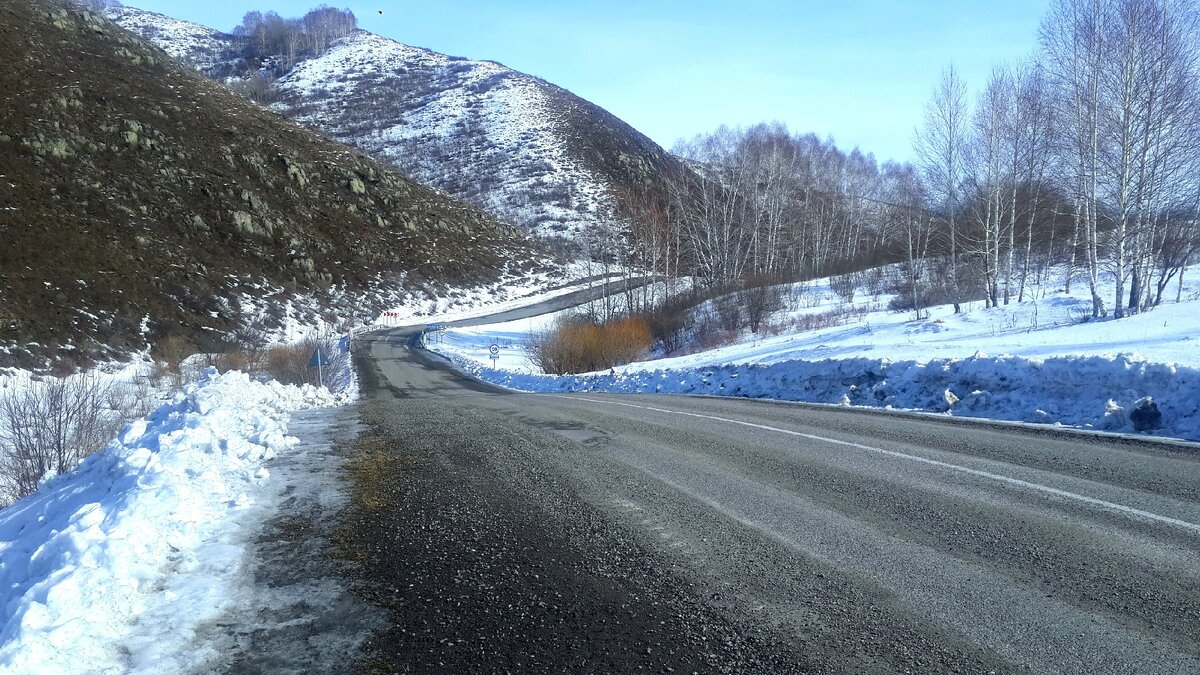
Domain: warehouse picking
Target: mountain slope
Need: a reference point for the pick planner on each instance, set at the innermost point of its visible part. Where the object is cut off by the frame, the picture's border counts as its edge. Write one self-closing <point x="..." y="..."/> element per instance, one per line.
<point x="139" y="199"/>
<point x="527" y="151"/>
<point x="200" y="47"/>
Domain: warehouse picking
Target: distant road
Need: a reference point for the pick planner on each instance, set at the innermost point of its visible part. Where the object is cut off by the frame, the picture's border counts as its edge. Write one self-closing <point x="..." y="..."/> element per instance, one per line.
<point x="803" y="540"/>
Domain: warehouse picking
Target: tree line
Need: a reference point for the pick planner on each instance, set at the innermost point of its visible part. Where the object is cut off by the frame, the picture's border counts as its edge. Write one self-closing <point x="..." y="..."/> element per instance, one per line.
<point x="1084" y="157"/>
<point x="262" y="36"/>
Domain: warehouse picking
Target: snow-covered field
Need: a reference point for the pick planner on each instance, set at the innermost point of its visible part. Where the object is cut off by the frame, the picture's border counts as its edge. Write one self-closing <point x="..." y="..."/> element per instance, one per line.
<point x="113" y="566"/>
<point x="1034" y="361"/>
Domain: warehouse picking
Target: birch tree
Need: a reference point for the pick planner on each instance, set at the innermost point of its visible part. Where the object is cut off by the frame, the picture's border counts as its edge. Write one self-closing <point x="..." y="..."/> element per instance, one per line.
<point x="940" y="147"/>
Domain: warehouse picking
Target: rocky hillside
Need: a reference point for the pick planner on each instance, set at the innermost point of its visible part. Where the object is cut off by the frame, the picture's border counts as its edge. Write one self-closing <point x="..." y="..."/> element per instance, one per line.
<point x="525" y="150"/>
<point x="139" y="199"/>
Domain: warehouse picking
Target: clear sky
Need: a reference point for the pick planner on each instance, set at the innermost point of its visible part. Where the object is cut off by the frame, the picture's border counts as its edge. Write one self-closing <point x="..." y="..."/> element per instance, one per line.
<point x="859" y="70"/>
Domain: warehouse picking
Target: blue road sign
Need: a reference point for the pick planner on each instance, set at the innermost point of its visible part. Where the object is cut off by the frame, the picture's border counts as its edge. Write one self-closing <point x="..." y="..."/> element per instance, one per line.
<point x="319" y="358"/>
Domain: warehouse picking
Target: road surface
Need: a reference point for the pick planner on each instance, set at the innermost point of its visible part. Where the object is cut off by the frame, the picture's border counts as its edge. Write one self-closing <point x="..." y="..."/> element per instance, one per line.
<point x="575" y="533"/>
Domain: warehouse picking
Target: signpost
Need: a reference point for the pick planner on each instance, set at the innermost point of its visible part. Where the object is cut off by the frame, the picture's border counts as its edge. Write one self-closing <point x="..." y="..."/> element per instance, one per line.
<point x="319" y="360"/>
<point x="494" y="351"/>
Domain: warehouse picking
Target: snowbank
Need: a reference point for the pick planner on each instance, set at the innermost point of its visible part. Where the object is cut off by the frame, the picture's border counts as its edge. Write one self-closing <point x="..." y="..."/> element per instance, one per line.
<point x="1079" y="391"/>
<point x="112" y="566"/>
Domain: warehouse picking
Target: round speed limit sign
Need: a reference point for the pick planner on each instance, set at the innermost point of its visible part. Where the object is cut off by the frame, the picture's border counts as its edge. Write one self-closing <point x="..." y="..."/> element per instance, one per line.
<point x="494" y="349"/>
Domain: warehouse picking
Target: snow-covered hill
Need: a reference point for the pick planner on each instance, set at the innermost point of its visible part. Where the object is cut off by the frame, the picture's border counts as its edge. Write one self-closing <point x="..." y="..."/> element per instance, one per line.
<point x="200" y="47"/>
<point x="528" y="151"/>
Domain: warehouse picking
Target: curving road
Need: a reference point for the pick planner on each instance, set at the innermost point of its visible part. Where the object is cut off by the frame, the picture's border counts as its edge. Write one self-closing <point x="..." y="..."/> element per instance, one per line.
<point x="802" y="539"/>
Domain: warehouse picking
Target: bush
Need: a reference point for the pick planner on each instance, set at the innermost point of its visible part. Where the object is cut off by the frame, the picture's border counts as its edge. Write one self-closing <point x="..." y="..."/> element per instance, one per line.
<point x="169" y="355"/>
<point x="845" y="285"/>
<point x="927" y="294"/>
<point x="289" y="363"/>
<point x="807" y="322"/>
<point x="760" y="299"/>
<point x="575" y="346"/>
<point x="256" y="87"/>
<point x="729" y="313"/>
<point x="672" y="322"/>
<point x="49" y="426"/>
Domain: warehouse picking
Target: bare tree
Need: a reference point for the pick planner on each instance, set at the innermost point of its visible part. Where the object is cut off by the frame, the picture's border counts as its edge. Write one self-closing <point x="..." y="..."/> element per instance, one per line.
<point x="49" y="426"/>
<point x="907" y="214"/>
<point x="940" y="145"/>
<point x="1073" y="51"/>
<point x="1126" y="72"/>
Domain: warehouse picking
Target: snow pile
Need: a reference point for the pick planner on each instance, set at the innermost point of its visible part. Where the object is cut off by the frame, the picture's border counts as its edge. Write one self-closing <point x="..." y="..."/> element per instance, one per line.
<point x="1088" y="392"/>
<point x="112" y="566"/>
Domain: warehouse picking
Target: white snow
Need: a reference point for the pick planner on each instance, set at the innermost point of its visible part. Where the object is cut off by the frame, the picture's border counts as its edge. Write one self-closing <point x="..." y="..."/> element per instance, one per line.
<point x="112" y="567"/>
<point x="1033" y="361"/>
<point x="500" y="129"/>
<point x="198" y="46"/>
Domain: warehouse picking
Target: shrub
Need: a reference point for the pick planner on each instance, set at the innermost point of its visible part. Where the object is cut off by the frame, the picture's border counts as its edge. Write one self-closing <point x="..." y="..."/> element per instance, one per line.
<point x="49" y="426"/>
<point x="576" y="346"/>
<point x="760" y="299"/>
<point x="289" y="363"/>
<point x="929" y="293"/>
<point x="845" y="285"/>
<point x="838" y="316"/>
<point x="729" y="313"/>
<point x="169" y="355"/>
<point x="671" y="322"/>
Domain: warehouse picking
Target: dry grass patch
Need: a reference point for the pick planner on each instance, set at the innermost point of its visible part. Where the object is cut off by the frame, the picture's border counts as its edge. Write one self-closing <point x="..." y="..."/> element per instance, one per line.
<point x="578" y="346"/>
<point x="370" y="468"/>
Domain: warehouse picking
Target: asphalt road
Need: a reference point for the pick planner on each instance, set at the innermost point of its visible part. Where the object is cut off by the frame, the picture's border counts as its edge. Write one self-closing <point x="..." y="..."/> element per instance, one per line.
<point x="798" y="539"/>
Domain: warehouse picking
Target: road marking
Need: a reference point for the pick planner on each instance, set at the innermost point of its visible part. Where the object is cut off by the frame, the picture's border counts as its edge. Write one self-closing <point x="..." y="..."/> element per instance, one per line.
<point x="1112" y="506"/>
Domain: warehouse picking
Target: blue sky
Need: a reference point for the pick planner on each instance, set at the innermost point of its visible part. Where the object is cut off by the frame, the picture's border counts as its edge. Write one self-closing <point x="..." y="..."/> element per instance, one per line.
<point x="859" y="70"/>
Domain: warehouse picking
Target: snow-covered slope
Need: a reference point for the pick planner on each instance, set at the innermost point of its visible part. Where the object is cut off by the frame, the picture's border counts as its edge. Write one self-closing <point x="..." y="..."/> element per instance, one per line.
<point x="528" y="151"/>
<point x="200" y="47"/>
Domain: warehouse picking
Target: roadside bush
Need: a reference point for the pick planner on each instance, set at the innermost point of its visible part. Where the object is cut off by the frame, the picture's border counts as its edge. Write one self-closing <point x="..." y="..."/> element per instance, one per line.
<point x="927" y="294"/>
<point x="845" y="285"/>
<point x="169" y="354"/>
<point x="839" y="316"/>
<point x="234" y="359"/>
<point x="728" y="313"/>
<point x="576" y="346"/>
<point x="669" y="325"/>
<point x="289" y="363"/>
<point x="50" y="425"/>
<point x="759" y="299"/>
